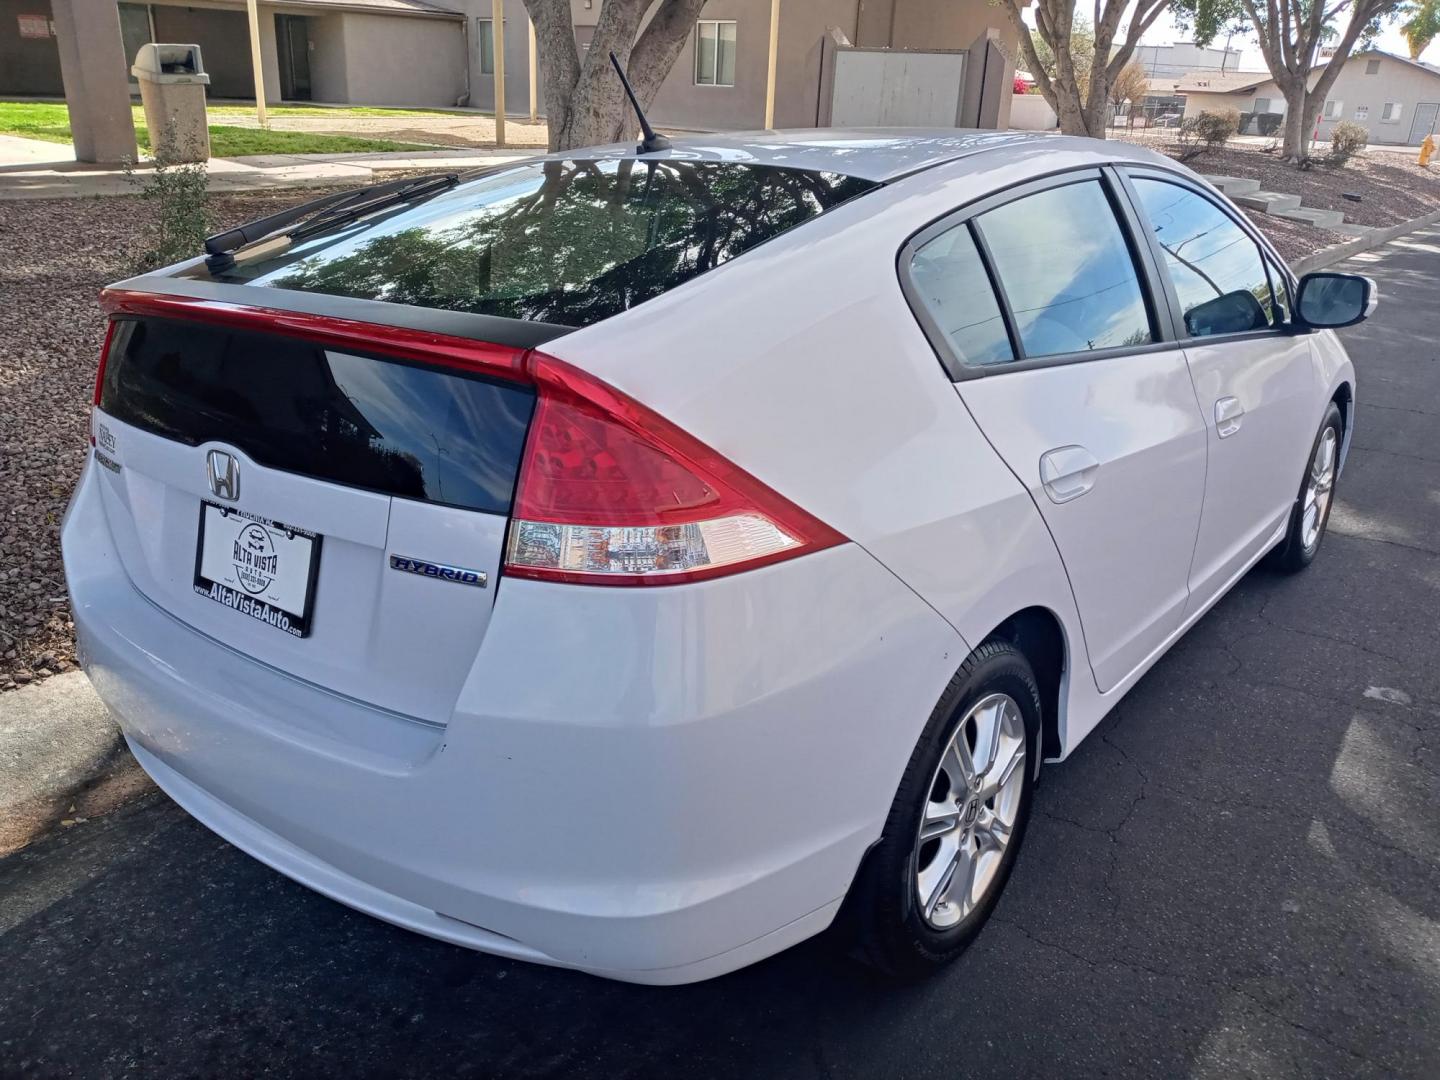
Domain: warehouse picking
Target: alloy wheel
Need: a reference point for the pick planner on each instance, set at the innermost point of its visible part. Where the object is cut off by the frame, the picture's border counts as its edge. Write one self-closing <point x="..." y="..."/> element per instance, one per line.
<point x="970" y="813"/>
<point x="1318" y="489"/>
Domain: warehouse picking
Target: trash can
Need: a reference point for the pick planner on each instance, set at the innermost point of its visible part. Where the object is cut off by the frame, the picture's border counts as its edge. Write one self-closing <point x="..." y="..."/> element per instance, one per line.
<point x="172" y="88"/>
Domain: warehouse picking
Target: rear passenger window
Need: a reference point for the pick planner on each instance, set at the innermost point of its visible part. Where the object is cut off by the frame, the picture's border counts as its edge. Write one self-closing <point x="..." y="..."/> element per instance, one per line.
<point x="952" y="283"/>
<point x="1218" y="271"/>
<point x="1066" y="271"/>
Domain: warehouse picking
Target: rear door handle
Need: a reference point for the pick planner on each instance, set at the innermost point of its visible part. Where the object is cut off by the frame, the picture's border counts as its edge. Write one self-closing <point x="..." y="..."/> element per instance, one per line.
<point x="1228" y="413"/>
<point x="1067" y="472"/>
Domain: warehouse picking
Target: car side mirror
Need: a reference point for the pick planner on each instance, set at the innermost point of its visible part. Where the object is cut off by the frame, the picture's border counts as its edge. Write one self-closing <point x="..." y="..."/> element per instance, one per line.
<point x="1233" y="313"/>
<point x="1327" y="301"/>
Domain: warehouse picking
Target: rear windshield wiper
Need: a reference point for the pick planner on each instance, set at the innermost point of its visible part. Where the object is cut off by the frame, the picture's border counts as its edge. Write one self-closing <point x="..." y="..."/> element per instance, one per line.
<point x="321" y="213"/>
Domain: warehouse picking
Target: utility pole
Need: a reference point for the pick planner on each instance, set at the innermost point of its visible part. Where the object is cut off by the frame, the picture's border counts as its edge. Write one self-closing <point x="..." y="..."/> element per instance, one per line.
<point x="497" y="25"/>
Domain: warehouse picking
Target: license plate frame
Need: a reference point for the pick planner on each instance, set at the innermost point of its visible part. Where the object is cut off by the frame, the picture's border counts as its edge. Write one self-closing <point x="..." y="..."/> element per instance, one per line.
<point x="265" y="564"/>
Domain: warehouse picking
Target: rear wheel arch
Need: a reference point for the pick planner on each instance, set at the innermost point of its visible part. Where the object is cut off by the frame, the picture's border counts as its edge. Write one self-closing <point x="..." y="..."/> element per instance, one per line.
<point x="1039" y="634"/>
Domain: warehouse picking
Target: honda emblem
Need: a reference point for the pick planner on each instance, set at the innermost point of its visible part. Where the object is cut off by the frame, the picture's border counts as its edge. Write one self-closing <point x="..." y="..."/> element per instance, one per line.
<point x="224" y="473"/>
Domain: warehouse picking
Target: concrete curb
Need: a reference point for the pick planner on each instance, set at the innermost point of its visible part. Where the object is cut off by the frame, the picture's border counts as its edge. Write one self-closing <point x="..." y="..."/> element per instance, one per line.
<point x="1340" y="252"/>
<point x="62" y="759"/>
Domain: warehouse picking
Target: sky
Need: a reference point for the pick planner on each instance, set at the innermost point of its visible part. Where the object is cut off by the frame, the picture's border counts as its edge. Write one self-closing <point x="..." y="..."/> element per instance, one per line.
<point x="1164" y="32"/>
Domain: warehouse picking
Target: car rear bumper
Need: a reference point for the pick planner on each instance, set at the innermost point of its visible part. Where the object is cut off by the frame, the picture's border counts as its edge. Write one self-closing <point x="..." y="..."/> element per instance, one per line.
<point x="657" y="785"/>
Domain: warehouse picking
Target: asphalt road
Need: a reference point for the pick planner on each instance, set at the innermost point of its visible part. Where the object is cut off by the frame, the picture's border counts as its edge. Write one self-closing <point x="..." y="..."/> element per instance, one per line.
<point x="1237" y="874"/>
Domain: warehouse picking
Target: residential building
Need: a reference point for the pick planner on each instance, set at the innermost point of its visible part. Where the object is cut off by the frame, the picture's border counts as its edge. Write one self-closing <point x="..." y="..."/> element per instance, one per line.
<point x="719" y="81"/>
<point x="1395" y="99"/>
<point x="377" y="52"/>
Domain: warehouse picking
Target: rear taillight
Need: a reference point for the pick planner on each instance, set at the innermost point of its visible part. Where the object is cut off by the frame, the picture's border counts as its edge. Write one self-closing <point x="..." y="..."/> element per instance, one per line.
<point x="100" y="376"/>
<point x="612" y="494"/>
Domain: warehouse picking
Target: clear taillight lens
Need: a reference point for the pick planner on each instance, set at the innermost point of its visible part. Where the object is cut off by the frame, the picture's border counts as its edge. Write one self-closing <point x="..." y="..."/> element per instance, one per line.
<point x="612" y="494"/>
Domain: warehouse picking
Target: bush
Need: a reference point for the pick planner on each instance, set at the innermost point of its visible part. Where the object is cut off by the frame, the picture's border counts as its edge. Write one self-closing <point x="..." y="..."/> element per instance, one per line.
<point x="1269" y="122"/>
<point x="1206" y="132"/>
<point x="1346" y="140"/>
<point x="180" y="220"/>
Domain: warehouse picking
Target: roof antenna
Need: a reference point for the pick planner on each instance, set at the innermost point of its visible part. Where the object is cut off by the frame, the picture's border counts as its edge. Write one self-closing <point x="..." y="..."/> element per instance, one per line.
<point x="651" y="142"/>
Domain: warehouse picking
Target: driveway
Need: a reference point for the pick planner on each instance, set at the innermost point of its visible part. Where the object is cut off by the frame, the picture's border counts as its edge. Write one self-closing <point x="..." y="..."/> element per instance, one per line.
<point x="1237" y="874"/>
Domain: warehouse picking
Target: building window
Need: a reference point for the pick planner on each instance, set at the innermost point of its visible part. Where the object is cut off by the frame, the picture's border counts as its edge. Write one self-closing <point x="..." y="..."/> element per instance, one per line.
<point x="1390" y="114"/>
<point x="1334" y="110"/>
<point x="1362" y="113"/>
<point x="714" y="53"/>
<point x="1372" y="67"/>
<point x="1262" y="105"/>
<point x="485" y="41"/>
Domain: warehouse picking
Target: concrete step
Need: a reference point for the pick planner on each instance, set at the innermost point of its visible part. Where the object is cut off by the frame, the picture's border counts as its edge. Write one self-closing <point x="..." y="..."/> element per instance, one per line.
<point x="1321" y="219"/>
<point x="1234" y="185"/>
<point x="1269" y="202"/>
<point x="1357" y="231"/>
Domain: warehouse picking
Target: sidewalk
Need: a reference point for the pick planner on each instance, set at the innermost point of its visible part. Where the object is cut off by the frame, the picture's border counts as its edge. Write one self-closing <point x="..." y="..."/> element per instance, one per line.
<point x="61" y="759"/>
<point x="30" y="169"/>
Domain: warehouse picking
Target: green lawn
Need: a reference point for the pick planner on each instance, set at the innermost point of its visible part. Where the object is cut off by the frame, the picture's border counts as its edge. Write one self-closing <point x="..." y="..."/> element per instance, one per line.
<point x="49" y="121"/>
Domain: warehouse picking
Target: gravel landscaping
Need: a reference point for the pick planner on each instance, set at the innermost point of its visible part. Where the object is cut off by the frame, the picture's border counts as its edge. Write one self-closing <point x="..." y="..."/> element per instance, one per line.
<point x="58" y="255"/>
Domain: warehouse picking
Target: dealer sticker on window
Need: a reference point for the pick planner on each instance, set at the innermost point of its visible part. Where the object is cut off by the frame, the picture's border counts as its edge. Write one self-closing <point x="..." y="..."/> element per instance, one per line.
<point x="257" y="567"/>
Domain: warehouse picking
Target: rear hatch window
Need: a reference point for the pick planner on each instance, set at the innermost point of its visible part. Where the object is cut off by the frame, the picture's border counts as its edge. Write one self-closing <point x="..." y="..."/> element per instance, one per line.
<point x="384" y="425"/>
<point x="564" y="242"/>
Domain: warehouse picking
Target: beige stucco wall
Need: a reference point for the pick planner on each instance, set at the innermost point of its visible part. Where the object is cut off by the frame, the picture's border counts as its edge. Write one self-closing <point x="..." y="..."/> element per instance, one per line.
<point x="681" y="103"/>
<point x="392" y="61"/>
<point x="917" y="24"/>
<point x="1395" y="81"/>
<point x="329" y="62"/>
<point x="1196" y="103"/>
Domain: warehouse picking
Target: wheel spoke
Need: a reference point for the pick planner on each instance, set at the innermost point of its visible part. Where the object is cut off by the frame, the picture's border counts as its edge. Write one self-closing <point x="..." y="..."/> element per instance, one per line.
<point x="957" y="763"/>
<point x="1010" y="755"/>
<point x="940" y="818"/>
<point x="954" y="883"/>
<point x="988" y="721"/>
<point x="993" y="832"/>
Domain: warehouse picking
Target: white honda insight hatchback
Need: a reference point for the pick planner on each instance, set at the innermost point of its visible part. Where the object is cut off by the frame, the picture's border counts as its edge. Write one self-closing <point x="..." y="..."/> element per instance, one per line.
<point x="634" y="561"/>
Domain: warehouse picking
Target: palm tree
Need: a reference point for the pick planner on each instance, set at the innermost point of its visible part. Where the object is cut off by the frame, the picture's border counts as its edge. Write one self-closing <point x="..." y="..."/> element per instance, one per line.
<point x="1421" y="25"/>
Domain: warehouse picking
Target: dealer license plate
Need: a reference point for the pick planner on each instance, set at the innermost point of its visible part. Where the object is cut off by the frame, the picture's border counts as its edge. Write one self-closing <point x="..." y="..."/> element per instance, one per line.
<point x="257" y="567"/>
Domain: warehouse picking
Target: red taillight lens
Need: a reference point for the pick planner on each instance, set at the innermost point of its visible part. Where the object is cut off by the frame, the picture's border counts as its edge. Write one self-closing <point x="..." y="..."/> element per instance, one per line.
<point x="612" y="494"/>
<point x="100" y="376"/>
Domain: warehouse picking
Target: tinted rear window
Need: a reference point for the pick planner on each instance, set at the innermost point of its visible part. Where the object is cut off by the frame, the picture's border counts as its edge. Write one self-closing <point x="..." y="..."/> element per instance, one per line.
<point x="567" y="242"/>
<point x="386" y="426"/>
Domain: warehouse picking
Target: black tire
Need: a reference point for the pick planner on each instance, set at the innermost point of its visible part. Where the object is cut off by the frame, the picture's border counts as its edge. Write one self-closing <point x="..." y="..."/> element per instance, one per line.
<point x="1292" y="554"/>
<point x="883" y="916"/>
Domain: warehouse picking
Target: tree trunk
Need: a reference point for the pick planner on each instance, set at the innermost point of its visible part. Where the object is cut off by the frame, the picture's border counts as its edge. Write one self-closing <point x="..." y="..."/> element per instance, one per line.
<point x="1296" y="147"/>
<point x="584" y="102"/>
<point x="1072" y="116"/>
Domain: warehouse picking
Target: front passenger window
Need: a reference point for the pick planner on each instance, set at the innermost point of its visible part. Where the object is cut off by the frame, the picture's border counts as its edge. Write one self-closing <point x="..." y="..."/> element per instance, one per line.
<point x="1218" y="271"/>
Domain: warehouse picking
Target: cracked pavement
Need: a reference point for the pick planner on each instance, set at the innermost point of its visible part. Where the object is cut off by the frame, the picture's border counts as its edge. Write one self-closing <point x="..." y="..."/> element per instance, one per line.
<point x="1238" y="874"/>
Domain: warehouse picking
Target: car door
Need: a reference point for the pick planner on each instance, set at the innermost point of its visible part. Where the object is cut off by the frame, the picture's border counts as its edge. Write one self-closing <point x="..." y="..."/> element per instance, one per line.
<point x="1041" y="302"/>
<point x="1254" y="378"/>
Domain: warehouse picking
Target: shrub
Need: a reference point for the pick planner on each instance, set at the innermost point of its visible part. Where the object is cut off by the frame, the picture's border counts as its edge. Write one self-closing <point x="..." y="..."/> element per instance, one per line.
<point x="1021" y="86"/>
<point x="1206" y="132"/>
<point x="1269" y="122"/>
<point x="1346" y="140"/>
<point x="180" y="220"/>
